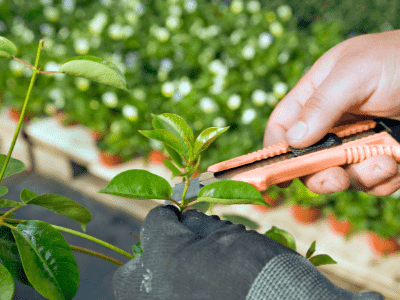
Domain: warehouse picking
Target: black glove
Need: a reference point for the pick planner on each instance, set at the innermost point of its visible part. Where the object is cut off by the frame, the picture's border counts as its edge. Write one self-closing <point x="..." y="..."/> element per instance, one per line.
<point x="193" y="256"/>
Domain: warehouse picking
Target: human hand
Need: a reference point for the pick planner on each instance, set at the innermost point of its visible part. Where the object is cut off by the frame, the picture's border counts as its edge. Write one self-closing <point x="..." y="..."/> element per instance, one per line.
<point x="194" y="256"/>
<point x="357" y="78"/>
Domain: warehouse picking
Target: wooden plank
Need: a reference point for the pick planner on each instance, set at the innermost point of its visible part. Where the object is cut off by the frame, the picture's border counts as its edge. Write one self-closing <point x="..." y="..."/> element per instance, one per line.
<point x="356" y="261"/>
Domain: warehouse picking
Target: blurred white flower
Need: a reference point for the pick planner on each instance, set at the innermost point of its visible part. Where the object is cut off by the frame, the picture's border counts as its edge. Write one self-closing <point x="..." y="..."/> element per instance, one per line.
<point x="284" y="12"/>
<point x="219" y="122"/>
<point x="140" y="8"/>
<point x="46" y="2"/>
<point x="116" y="127"/>
<point x="27" y="72"/>
<point x="283" y="57"/>
<point x="95" y="41"/>
<point x="190" y="6"/>
<point x="51" y="66"/>
<point x="259" y="97"/>
<point x="115" y="31"/>
<point x="154" y="144"/>
<point x="168" y="89"/>
<point x="207" y="105"/>
<point x="172" y="22"/>
<point x="166" y="64"/>
<point x="131" y="59"/>
<point x="236" y="36"/>
<point x="175" y="10"/>
<point x="46" y="29"/>
<point x="248" y="75"/>
<point x="131" y="17"/>
<point x="234" y="102"/>
<point x="106" y="3"/>
<point x="237" y="6"/>
<point x="48" y="43"/>
<point x="130" y="112"/>
<point x="271" y="99"/>
<point x="69" y="5"/>
<point x="82" y="84"/>
<point x="276" y="29"/>
<point x="3" y="26"/>
<point x="81" y="46"/>
<point x="59" y="50"/>
<point x="177" y="96"/>
<point x="110" y="99"/>
<point x="253" y="6"/>
<point x="162" y="34"/>
<point x="280" y="89"/>
<point x="213" y="30"/>
<point x="28" y="36"/>
<point x="51" y="13"/>
<point x="216" y="67"/>
<point x="64" y="33"/>
<point x="216" y="88"/>
<point x="139" y="94"/>
<point x="97" y="24"/>
<point x="94" y="104"/>
<point x="127" y="31"/>
<point x="185" y="87"/>
<point x="264" y="40"/>
<point x="248" y="52"/>
<point x="57" y="95"/>
<point x="248" y="115"/>
<point x="16" y="68"/>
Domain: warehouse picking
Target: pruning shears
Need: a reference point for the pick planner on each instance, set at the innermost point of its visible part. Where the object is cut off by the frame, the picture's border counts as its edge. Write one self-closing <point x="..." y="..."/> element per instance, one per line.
<point x="343" y="145"/>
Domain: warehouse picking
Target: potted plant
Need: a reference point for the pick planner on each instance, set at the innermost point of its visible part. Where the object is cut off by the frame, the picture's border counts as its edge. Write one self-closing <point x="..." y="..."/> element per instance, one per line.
<point x="274" y="196"/>
<point x="306" y="205"/>
<point x="156" y="156"/>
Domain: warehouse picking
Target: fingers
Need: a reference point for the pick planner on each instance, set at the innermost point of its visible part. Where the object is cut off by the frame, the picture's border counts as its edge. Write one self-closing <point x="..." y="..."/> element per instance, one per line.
<point x="328" y="181"/>
<point x="162" y="223"/>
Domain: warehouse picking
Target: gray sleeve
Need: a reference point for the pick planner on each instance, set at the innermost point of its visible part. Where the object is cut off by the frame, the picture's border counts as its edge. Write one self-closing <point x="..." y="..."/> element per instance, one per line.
<point x="293" y="277"/>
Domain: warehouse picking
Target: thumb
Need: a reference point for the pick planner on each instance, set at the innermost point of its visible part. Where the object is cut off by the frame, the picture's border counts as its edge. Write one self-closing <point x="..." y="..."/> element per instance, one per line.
<point x="340" y="91"/>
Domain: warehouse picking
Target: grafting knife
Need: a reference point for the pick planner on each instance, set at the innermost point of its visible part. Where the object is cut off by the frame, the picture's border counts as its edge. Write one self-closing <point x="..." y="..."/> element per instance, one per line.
<point x="343" y="145"/>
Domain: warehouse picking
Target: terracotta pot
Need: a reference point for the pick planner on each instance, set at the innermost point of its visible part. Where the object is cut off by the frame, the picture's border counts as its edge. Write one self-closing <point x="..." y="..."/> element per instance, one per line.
<point x="96" y="134"/>
<point x="15" y="114"/>
<point x="340" y="227"/>
<point x="110" y="160"/>
<point x="306" y="215"/>
<point x="382" y="245"/>
<point x="156" y="157"/>
<point x="274" y="202"/>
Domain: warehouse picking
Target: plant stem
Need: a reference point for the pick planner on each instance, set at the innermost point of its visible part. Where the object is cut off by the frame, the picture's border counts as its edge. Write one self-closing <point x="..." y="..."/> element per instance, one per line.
<point x="187" y="183"/>
<point x="136" y="236"/>
<point x="96" y="254"/>
<point x="93" y="239"/>
<point x="82" y="235"/>
<point x="10" y="211"/>
<point x="23" y="62"/>
<point x="34" y="74"/>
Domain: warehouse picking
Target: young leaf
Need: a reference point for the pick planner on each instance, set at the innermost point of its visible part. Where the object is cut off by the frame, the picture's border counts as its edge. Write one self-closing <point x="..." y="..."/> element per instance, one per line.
<point x="230" y="192"/>
<point x="138" y="184"/>
<point x="9" y="255"/>
<point x="165" y="137"/>
<point x="235" y="219"/>
<point x="63" y="206"/>
<point x="201" y="206"/>
<point x="47" y="259"/>
<point x="207" y="136"/>
<point x="3" y="191"/>
<point x="311" y="250"/>
<point x="7" y="285"/>
<point x="175" y="171"/>
<point x="10" y="203"/>
<point x="7" y="48"/>
<point x="278" y="237"/>
<point x="96" y="69"/>
<point x="289" y="238"/>
<point x="137" y="249"/>
<point x="27" y="195"/>
<point x="194" y="168"/>
<point x="14" y="166"/>
<point x="178" y="127"/>
<point x="322" y="259"/>
<point x="175" y="156"/>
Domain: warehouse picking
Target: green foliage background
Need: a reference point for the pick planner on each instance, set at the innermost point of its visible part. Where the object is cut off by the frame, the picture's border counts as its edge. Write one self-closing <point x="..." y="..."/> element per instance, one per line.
<point x="215" y="63"/>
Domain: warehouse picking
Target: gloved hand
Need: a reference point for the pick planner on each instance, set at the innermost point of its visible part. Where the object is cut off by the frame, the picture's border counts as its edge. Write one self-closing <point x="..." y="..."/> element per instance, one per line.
<point x="192" y="256"/>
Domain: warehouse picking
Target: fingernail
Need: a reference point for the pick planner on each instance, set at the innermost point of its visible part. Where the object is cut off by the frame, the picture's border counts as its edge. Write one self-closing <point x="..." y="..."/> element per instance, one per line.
<point x="298" y="131"/>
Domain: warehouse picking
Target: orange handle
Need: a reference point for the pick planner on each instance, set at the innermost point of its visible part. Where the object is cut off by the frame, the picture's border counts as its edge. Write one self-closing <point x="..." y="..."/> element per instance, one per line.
<point x="348" y="153"/>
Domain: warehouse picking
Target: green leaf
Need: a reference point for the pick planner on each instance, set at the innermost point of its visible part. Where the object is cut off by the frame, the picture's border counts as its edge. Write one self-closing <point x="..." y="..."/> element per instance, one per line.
<point x="137" y="249"/>
<point x="178" y="127"/>
<point x="47" y="259"/>
<point x="7" y="48"/>
<point x="207" y="136"/>
<point x="63" y="206"/>
<point x="10" y="215"/>
<point x="175" y="171"/>
<point x="3" y="191"/>
<point x="138" y="184"/>
<point x="96" y="69"/>
<point x="9" y="255"/>
<point x="230" y="192"/>
<point x="311" y="250"/>
<point x="7" y="285"/>
<point x="27" y="195"/>
<point x="14" y="166"/>
<point x="291" y="243"/>
<point x="175" y="156"/>
<point x="322" y="259"/>
<point x="10" y="203"/>
<point x="278" y="237"/>
<point x="194" y="168"/>
<point x="201" y="206"/>
<point x="235" y="219"/>
<point x="165" y="137"/>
